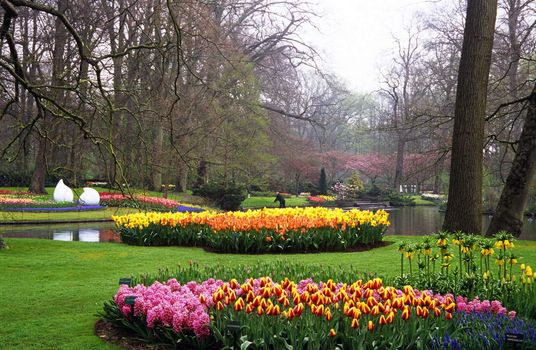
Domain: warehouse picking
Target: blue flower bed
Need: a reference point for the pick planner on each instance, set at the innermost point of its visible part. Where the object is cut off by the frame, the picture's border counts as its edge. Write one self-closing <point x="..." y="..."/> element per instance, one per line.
<point x="44" y="209"/>
<point x="187" y="209"/>
<point x="487" y="331"/>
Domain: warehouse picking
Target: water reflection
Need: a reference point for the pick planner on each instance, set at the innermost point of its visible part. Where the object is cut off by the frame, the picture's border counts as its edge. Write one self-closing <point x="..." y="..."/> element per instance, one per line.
<point x="87" y="232"/>
<point x="418" y="221"/>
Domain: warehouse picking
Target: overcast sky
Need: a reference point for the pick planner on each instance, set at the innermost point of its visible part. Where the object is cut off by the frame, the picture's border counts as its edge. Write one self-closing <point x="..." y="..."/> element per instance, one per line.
<point x="356" y="36"/>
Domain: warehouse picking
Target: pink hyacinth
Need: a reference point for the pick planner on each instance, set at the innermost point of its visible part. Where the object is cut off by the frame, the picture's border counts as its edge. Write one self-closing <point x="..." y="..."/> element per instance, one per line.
<point x="477" y="306"/>
<point x="171" y="305"/>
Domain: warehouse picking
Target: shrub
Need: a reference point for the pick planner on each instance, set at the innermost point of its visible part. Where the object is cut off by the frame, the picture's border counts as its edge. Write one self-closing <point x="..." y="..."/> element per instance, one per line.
<point x="398" y="200"/>
<point x="323" y="183"/>
<point x="225" y="197"/>
<point x="2" y="243"/>
<point x="12" y="179"/>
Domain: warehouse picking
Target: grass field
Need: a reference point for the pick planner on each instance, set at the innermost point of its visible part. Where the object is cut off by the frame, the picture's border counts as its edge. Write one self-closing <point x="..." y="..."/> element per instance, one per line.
<point x="268" y="202"/>
<point x="72" y="216"/>
<point x="419" y="201"/>
<point x="50" y="291"/>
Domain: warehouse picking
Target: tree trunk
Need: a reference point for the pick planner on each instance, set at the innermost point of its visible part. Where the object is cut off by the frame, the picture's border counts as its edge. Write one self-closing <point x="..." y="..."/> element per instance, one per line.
<point x="401" y="145"/>
<point x="464" y="210"/>
<point x="157" y="161"/>
<point x="182" y="177"/>
<point x="437" y="179"/>
<point x="37" y="184"/>
<point x="509" y="212"/>
<point x="58" y="65"/>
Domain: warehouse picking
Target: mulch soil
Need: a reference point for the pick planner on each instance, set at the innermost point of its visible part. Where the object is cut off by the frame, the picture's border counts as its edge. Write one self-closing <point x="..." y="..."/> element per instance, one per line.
<point x="112" y="335"/>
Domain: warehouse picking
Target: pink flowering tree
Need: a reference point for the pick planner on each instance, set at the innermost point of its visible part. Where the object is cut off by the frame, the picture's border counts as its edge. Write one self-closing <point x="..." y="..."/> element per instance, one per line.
<point x="373" y="166"/>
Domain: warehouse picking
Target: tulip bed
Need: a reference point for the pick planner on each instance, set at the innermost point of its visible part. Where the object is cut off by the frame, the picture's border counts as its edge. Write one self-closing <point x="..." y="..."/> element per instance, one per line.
<point x="137" y="201"/>
<point x="259" y="313"/>
<point x="257" y="231"/>
<point x="13" y="200"/>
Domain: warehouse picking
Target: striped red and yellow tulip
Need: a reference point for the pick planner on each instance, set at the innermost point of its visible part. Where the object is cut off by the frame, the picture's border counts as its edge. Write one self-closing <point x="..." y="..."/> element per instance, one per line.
<point x="261" y="230"/>
<point x="362" y="305"/>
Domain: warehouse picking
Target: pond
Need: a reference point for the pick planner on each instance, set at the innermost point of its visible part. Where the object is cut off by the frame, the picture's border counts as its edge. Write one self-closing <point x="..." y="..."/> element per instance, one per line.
<point x="404" y="221"/>
<point x="418" y="221"/>
<point x="83" y="232"/>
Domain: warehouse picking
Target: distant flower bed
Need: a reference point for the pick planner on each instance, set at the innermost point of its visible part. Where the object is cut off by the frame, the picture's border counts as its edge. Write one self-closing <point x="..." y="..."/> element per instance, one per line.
<point x="321" y="199"/>
<point x="29" y="202"/>
<point x="189" y="209"/>
<point x="257" y="231"/>
<point x="13" y="192"/>
<point x="137" y="201"/>
<point x="55" y="209"/>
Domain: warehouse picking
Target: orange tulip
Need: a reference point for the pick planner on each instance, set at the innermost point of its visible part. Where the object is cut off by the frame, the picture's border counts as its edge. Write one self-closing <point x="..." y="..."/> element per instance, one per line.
<point x="202" y="299"/>
<point x="332" y="332"/>
<point x="370" y="326"/>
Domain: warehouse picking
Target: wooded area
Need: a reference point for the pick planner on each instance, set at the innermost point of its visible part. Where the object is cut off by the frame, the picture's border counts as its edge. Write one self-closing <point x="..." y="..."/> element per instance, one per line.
<point x="151" y="92"/>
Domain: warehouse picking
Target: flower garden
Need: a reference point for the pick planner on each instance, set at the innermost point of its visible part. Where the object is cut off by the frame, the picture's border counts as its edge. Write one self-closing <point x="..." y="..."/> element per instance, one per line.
<point x="346" y="311"/>
<point x="454" y="291"/>
<point x="257" y="231"/>
<point x="450" y="291"/>
<point x="25" y="201"/>
<point x="12" y="200"/>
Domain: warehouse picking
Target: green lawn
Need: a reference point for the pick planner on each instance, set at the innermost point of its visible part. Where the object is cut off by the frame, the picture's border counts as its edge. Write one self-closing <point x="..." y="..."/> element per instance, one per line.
<point x="50" y="291"/>
<point x="103" y="214"/>
<point x="268" y="202"/>
<point x="419" y="201"/>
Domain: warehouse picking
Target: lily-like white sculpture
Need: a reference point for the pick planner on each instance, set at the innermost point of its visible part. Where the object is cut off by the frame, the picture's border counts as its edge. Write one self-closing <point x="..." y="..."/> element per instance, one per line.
<point x="90" y="197"/>
<point x="62" y="192"/>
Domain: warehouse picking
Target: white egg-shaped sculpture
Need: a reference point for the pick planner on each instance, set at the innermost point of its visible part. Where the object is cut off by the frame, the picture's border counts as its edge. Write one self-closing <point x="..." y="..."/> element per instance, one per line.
<point x="62" y="192"/>
<point x="89" y="197"/>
